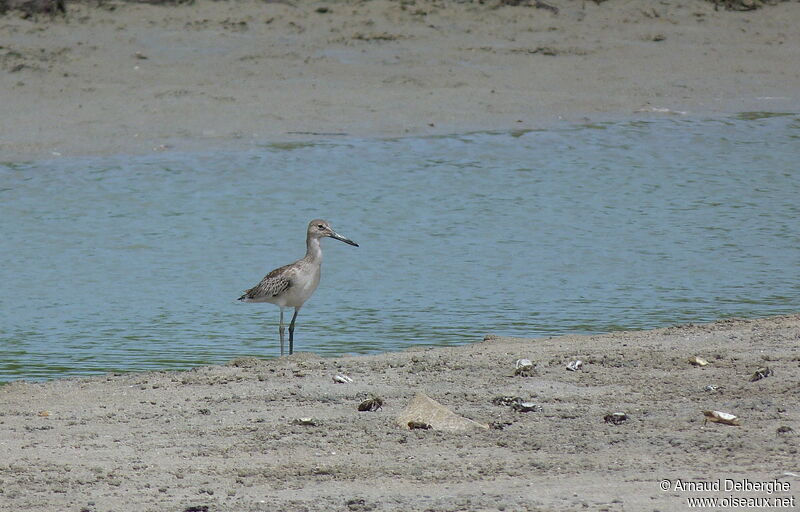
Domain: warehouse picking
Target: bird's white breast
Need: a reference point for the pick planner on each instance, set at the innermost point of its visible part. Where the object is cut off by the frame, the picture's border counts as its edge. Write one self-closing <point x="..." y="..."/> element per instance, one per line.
<point x="303" y="285"/>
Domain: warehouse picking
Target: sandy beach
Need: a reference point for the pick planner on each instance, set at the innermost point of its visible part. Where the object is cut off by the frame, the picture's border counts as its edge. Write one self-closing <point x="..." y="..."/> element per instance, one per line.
<point x="126" y="78"/>
<point x="263" y="435"/>
<point x="281" y="435"/>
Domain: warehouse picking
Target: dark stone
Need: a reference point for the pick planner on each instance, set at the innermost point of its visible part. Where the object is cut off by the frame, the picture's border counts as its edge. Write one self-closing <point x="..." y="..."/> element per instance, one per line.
<point x="33" y="6"/>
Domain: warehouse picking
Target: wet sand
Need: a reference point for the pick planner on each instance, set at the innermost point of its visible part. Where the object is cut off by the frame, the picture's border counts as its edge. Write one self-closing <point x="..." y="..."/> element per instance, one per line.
<point x="228" y="438"/>
<point x="134" y="78"/>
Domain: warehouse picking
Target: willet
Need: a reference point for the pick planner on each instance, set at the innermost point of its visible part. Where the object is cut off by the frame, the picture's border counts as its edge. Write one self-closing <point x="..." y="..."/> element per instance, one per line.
<point x="292" y="285"/>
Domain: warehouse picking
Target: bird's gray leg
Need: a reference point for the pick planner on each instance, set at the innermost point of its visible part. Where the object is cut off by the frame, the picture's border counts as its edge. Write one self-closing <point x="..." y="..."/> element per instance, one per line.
<point x="291" y="330"/>
<point x="281" y="330"/>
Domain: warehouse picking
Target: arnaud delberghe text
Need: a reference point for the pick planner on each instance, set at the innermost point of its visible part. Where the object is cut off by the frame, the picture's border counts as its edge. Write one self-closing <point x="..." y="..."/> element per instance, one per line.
<point x="731" y="485"/>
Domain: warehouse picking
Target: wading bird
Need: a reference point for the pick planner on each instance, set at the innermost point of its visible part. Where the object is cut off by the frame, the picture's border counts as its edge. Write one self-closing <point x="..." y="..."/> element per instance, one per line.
<point x="293" y="284"/>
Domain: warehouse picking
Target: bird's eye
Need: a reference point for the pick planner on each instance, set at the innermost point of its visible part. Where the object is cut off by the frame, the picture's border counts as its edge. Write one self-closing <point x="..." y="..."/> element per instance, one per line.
<point x="320" y="226"/>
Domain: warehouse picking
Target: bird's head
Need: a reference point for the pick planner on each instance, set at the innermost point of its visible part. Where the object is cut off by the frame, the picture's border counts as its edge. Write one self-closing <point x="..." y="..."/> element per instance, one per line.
<point x="319" y="228"/>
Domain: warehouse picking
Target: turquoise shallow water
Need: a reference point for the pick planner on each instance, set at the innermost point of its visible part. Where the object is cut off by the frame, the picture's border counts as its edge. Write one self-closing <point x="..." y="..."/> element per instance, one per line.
<point x="131" y="263"/>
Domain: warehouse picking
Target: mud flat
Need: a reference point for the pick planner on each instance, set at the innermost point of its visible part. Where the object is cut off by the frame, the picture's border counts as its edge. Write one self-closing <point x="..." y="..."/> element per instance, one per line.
<point x="124" y="78"/>
<point x="281" y="435"/>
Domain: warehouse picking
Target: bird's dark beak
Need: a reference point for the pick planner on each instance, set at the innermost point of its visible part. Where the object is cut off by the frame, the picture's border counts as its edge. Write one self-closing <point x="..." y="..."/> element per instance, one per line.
<point x="337" y="236"/>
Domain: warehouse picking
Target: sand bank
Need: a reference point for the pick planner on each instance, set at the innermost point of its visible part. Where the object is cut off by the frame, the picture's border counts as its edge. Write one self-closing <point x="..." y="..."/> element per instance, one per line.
<point x="136" y="78"/>
<point x="227" y="437"/>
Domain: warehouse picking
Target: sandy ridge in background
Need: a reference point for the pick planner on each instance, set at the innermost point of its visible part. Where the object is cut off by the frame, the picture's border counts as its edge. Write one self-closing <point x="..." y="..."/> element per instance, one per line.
<point x="135" y="78"/>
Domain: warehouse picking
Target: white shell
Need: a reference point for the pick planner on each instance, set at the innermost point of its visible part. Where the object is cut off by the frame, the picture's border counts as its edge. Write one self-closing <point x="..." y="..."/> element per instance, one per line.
<point x="526" y="407"/>
<point x="721" y="417"/>
<point x="524" y="367"/>
<point x="574" y="366"/>
<point x="697" y="361"/>
<point x="341" y="378"/>
<point x="524" y="364"/>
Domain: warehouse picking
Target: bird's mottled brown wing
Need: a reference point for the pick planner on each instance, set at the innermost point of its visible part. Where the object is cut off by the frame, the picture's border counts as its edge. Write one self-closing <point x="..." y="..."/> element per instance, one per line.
<point x="274" y="283"/>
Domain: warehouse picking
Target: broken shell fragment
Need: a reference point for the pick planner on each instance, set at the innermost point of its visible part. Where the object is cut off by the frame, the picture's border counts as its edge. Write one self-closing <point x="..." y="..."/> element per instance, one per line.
<point x="306" y="421"/>
<point x="506" y="400"/>
<point x="526" y="407"/>
<point x="574" y="366"/>
<point x="524" y="367"/>
<point x="419" y="425"/>
<point x="761" y="373"/>
<point x="711" y="388"/>
<point x="720" y="417"/>
<point x="371" y="404"/>
<point x="697" y="361"/>
<point x="341" y="378"/>
<point x="524" y="364"/>
<point x="616" y="418"/>
<point x="516" y="403"/>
